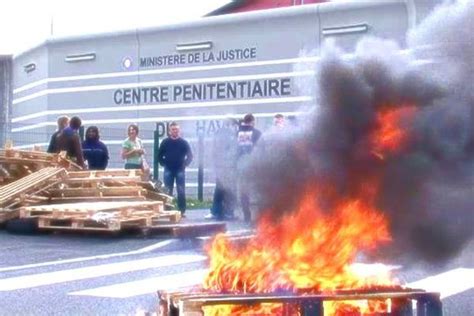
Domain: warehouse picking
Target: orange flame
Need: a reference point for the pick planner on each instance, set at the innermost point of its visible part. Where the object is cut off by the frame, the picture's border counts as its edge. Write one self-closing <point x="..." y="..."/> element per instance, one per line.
<point x="306" y="252"/>
<point x="390" y="135"/>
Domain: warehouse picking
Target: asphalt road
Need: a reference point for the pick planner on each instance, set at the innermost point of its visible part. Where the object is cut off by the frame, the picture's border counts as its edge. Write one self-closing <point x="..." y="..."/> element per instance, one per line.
<point x="90" y="275"/>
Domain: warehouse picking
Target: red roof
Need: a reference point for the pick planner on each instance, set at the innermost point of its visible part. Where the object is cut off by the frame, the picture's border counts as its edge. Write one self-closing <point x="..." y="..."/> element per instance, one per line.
<point x="253" y="5"/>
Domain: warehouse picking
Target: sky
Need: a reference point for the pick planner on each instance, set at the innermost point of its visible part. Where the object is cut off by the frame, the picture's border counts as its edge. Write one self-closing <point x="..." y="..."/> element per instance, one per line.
<point x="26" y="23"/>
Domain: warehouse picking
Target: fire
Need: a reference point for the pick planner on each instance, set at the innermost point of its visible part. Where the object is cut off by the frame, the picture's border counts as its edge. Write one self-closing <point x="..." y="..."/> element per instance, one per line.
<point x="309" y="251"/>
<point x="389" y="136"/>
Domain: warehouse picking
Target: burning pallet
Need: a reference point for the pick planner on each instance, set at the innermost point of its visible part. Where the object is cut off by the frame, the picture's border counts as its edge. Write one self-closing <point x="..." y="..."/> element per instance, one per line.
<point x="99" y="216"/>
<point x="399" y="302"/>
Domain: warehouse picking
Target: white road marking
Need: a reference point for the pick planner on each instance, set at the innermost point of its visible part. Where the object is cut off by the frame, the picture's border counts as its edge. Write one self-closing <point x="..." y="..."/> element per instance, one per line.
<point x="447" y="283"/>
<point x="34" y="280"/>
<point x="147" y="286"/>
<point x="73" y="260"/>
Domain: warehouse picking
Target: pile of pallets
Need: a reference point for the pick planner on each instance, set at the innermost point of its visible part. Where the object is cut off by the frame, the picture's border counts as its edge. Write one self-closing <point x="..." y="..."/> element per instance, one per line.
<point x="53" y="190"/>
<point x="105" y="200"/>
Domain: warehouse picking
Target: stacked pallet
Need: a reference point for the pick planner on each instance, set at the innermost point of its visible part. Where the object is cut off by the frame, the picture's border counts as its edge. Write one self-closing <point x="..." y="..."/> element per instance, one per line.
<point x="106" y="200"/>
<point x="99" y="216"/>
<point x="28" y="190"/>
<point x="16" y="164"/>
<point x="105" y="185"/>
<point x="35" y="185"/>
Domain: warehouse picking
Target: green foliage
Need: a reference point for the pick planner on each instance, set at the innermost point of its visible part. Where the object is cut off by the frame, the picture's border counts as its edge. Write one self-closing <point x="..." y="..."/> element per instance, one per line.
<point x="195" y="204"/>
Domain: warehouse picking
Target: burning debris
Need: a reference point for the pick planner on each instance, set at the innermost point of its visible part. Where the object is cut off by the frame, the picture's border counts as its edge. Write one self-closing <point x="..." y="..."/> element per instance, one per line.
<point x="385" y="159"/>
<point x="392" y="130"/>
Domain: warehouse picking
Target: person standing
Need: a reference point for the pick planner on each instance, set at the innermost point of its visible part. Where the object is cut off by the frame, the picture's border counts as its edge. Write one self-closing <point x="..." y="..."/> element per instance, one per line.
<point x="175" y="155"/>
<point x="95" y="152"/>
<point x="132" y="150"/>
<point x="69" y="140"/>
<point x="279" y="121"/>
<point x="247" y="138"/>
<point x="63" y="122"/>
<point x="224" y="153"/>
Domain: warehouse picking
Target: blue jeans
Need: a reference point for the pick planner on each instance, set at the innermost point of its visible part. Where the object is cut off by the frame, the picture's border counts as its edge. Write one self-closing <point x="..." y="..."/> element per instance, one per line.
<point x="169" y="177"/>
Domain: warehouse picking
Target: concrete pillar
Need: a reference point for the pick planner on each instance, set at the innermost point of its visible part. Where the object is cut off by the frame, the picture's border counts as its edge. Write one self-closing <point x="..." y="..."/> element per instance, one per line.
<point x="6" y="91"/>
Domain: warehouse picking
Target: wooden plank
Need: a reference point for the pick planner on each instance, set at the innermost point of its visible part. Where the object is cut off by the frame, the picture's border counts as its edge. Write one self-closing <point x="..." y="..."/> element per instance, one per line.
<point x="185" y="229"/>
<point x="79" y="199"/>
<point x="105" y="173"/>
<point x="98" y="192"/>
<point x="108" y="180"/>
<point x="125" y="207"/>
<point x="6" y="215"/>
<point x="28" y="184"/>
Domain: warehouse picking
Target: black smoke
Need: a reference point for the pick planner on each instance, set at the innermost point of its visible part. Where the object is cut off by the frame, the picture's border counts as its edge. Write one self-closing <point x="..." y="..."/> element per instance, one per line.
<point x="427" y="189"/>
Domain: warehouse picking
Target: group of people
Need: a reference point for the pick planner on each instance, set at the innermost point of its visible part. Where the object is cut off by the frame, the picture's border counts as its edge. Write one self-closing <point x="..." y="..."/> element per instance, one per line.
<point x="67" y="139"/>
<point x="174" y="152"/>
<point x="234" y="142"/>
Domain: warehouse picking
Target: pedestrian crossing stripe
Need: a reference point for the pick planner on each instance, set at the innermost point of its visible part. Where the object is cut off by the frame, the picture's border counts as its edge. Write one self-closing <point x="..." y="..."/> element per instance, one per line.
<point x="62" y="276"/>
<point x="151" y="285"/>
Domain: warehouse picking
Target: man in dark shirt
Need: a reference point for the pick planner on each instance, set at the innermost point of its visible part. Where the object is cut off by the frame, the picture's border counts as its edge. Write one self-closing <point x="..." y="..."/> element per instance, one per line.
<point x="247" y="137"/>
<point x="63" y="122"/>
<point x="68" y="140"/>
<point x="175" y="155"/>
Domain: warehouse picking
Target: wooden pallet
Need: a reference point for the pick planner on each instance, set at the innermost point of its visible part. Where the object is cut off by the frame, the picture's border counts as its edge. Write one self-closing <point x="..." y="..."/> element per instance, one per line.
<point x="98" y="192"/>
<point x="7" y="214"/>
<point x="137" y="220"/>
<point x="98" y="174"/>
<point x="87" y="224"/>
<point x="125" y="208"/>
<point x="13" y="193"/>
<point x="183" y="230"/>
<point x="101" y="216"/>
<point x="15" y="164"/>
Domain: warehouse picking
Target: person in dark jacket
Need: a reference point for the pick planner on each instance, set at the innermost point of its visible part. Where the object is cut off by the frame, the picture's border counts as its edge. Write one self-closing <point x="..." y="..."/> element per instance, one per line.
<point x="68" y="140"/>
<point x="63" y="122"/>
<point x="95" y="152"/>
<point x="247" y="138"/>
<point x="175" y="155"/>
<point x="225" y="160"/>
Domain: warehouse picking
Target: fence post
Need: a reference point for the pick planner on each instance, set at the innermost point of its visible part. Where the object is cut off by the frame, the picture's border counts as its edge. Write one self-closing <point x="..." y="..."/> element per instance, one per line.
<point x="156" y="146"/>
<point x="81" y="132"/>
<point x="200" y="166"/>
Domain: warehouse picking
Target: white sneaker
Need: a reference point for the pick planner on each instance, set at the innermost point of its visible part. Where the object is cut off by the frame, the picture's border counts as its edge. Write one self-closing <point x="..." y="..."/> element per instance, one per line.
<point x="209" y="216"/>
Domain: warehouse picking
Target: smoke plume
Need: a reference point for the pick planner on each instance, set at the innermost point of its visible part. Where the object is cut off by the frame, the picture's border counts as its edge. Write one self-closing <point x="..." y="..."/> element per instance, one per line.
<point x="427" y="185"/>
